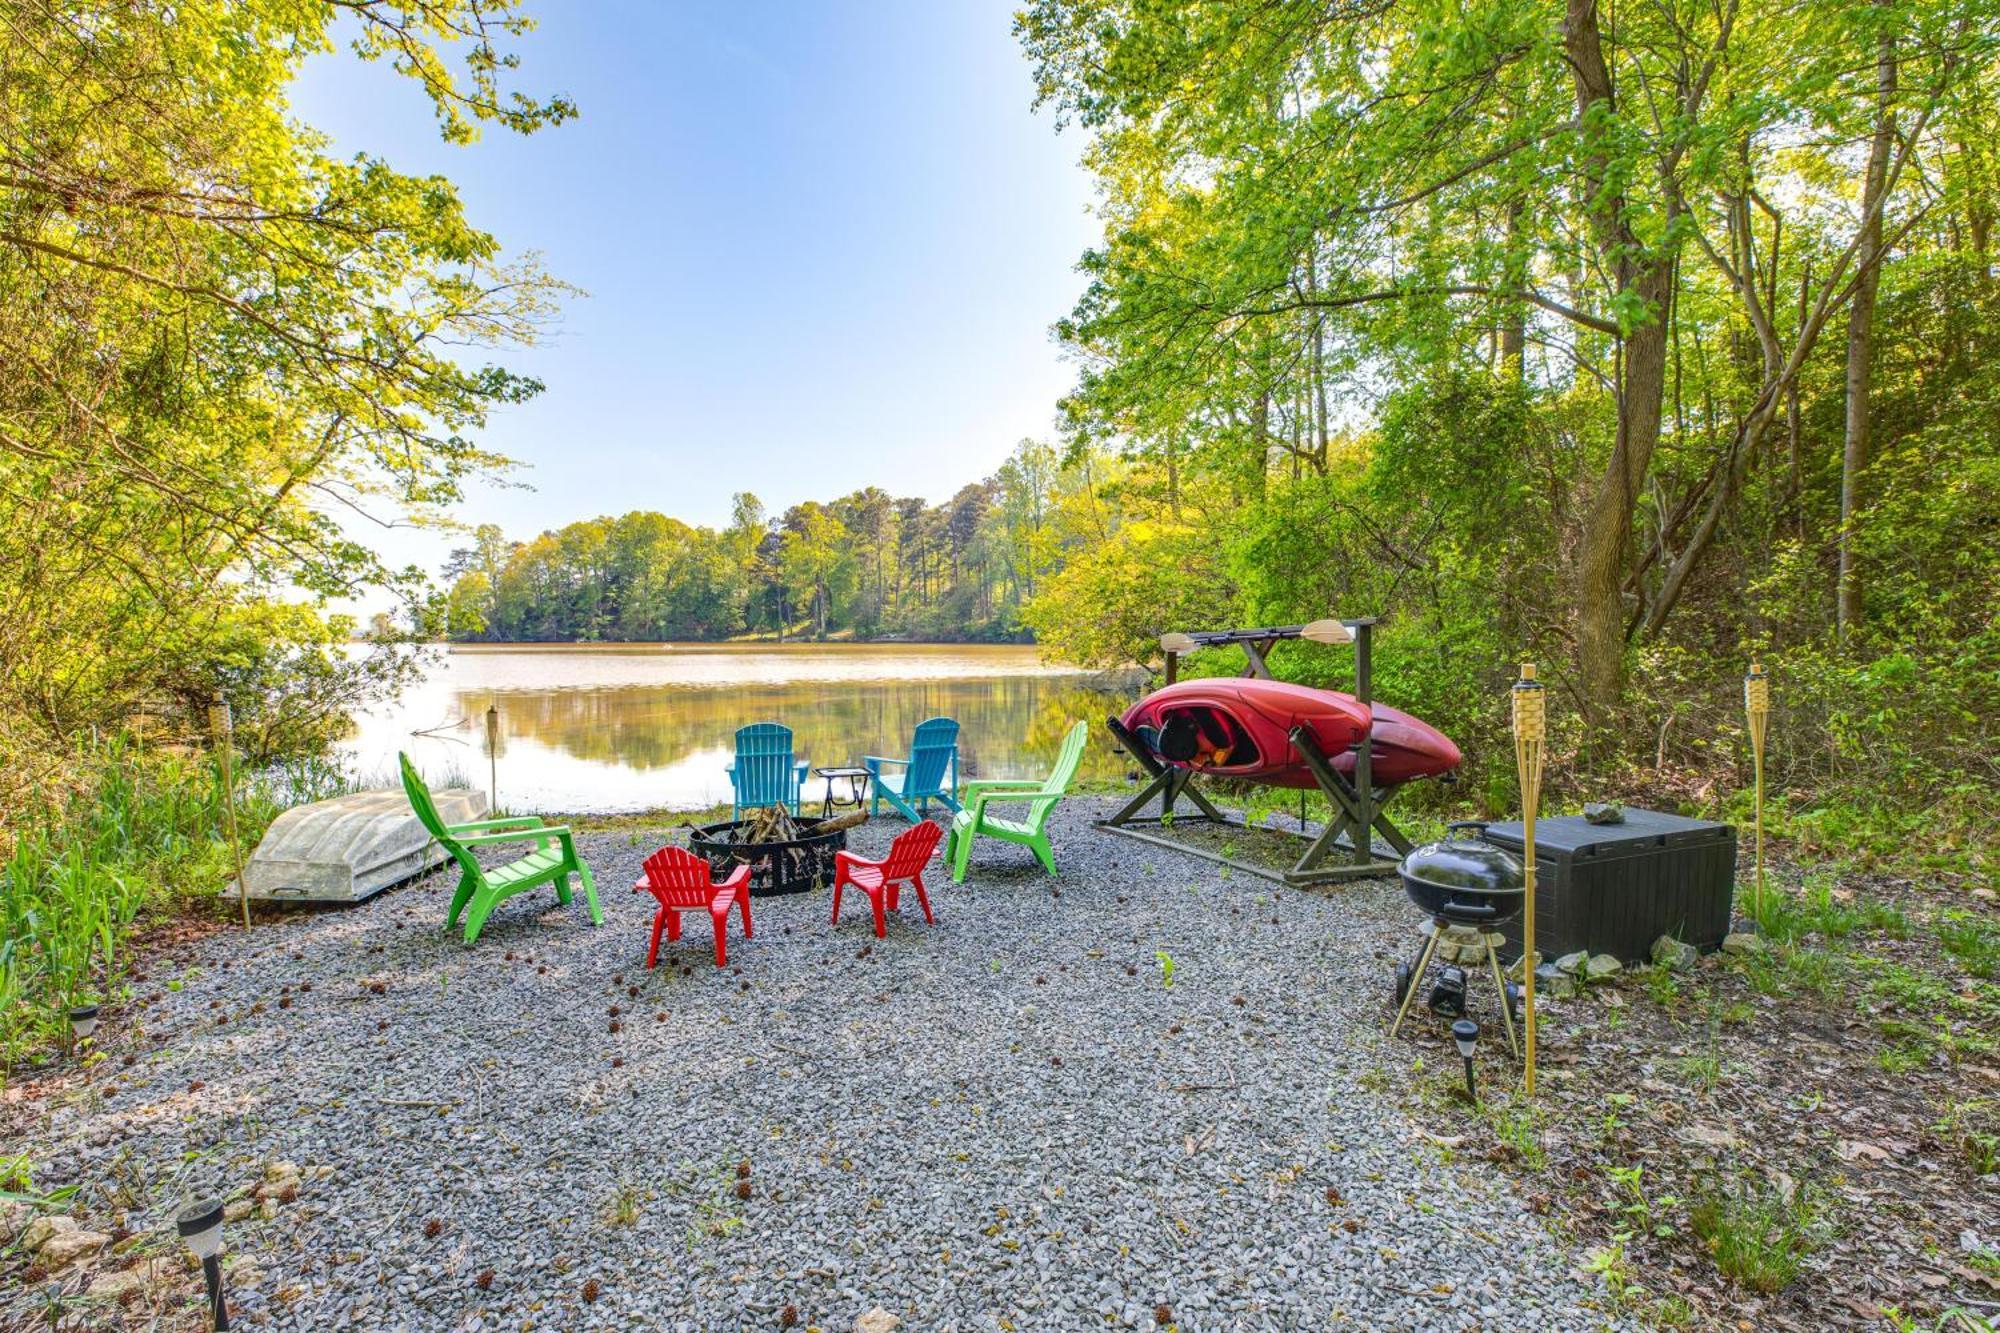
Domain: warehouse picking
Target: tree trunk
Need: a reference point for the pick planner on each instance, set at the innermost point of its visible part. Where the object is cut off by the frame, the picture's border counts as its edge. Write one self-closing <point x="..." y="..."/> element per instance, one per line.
<point x="1607" y="521"/>
<point x="1860" y="335"/>
<point x="1642" y="380"/>
<point x="1514" y="323"/>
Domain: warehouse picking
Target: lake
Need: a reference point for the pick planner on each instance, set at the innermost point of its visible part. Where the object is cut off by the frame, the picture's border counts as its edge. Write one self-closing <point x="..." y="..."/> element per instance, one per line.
<point x="622" y="727"/>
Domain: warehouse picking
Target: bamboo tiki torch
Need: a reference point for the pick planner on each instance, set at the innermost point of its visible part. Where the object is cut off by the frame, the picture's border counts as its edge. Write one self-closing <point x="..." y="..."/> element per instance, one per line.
<point x="1530" y="729"/>
<point x="1757" y="705"/>
<point x="223" y="725"/>
<point x="493" y="758"/>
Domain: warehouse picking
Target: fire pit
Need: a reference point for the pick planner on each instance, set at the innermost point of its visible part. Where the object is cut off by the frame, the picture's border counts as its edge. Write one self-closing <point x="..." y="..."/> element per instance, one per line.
<point x="785" y="855"/>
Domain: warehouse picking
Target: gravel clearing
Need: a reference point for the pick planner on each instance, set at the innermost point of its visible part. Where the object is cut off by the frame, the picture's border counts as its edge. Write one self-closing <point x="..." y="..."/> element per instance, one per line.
<point x="1005" y="1121"/>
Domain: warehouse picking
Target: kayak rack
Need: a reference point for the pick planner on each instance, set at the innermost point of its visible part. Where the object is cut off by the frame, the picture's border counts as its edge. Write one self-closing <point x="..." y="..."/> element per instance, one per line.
<point x="1345" y="848"/>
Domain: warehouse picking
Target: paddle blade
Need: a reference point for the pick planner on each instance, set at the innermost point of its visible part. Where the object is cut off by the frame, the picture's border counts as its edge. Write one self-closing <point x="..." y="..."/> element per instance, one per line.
<point x="1177" y="643"/>
<point x="1327" y="631"/>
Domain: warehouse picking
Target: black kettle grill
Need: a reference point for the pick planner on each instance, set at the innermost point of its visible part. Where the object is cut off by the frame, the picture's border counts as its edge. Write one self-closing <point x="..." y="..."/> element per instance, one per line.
<point x="1467" y="886"/>
<point x="1464" y="881"/>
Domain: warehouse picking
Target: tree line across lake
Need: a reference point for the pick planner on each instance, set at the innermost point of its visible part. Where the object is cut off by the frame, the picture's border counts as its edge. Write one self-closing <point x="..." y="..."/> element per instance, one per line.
<point x="867" y="565"/>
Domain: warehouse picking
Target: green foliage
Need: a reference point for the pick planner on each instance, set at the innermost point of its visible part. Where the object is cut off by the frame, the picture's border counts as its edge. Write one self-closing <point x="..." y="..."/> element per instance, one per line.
<point x="140" y="829"/>
<point x="867" y="564"/>
<point x="214" y="336"/>
<point x="1760" y="1237"/>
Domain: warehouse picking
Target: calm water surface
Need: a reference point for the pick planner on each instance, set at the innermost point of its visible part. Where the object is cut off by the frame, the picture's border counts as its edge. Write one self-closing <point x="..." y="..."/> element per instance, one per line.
<point x="616" y="727"/>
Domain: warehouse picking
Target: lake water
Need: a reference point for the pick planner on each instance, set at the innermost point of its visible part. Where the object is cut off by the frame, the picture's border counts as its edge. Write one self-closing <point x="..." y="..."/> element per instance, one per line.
<point x="621" y="727"/>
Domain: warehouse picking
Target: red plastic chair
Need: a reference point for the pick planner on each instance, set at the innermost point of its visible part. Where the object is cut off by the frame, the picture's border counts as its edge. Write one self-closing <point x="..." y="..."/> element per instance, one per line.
<point x="682" y="883"/>
<point x="883" y="880"/>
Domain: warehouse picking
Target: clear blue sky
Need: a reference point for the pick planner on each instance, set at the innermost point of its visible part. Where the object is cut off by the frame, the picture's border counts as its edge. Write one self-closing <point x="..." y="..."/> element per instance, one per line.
<point x="823" y="245"/>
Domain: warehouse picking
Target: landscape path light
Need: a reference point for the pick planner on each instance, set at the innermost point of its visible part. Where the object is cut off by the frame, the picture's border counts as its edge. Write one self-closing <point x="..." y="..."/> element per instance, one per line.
<point x="82" y="1022"/>
<point x="1466" y="1033"/>
<point x="200" y="1225"/>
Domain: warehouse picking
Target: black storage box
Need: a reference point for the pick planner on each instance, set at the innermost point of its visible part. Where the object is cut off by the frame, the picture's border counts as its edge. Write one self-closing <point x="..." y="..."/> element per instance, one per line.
<point x="1615" y="888"/>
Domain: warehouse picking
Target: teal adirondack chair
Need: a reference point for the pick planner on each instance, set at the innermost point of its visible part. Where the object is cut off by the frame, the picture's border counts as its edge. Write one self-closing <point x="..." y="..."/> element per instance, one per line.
<point x="1040" y="798"/>
<point x="553" y="861"/>
<point x="930" y="773"/>
<point x="765" y="772"/>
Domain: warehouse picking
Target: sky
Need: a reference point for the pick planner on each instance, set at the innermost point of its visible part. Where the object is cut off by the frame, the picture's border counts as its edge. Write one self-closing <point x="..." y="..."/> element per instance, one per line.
<point x="822" y="244"/>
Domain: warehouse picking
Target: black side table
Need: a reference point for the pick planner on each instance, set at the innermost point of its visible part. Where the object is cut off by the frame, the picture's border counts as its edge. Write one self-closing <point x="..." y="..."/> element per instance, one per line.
<point x="857" y="788"/>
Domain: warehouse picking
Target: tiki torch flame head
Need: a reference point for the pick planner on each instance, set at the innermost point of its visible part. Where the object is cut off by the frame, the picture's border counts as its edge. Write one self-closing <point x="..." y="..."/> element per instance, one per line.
<point x="1757" y="690"/>
<point x="1530" y="708"/>
<point x="219" y="720"/>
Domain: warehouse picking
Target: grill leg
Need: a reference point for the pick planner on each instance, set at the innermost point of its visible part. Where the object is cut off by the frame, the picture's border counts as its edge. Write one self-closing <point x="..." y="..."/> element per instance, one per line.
<point x="1416" y="979"/>
<point x="1506" y="1008"/>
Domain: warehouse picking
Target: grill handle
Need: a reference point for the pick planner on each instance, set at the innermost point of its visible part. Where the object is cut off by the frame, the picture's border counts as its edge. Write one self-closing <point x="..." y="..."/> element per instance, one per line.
<point x="1476" y="825"/>
<point x="1474" y="911"/>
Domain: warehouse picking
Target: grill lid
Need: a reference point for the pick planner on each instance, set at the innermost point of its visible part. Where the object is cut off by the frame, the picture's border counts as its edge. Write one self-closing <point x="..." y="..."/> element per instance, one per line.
<point x="1464" y="863"/>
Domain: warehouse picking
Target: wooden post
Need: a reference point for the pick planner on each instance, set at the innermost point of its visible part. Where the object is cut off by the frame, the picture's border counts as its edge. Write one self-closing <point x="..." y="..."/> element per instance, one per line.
<point x="1530" y="731"/>
<point x="493" y="758"/>
<point x="223" y="725"/>
<point x="1757" y="704"/>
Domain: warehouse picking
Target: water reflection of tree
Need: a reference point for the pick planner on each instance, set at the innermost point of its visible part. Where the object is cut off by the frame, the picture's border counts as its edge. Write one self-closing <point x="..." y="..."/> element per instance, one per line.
<point x="1010" y="726"/>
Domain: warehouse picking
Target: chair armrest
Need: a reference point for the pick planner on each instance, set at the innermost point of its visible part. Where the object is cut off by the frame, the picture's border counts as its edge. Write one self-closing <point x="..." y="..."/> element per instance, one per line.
<point x="1000" y="784"/>
<point x="871" y="760"/>
<point x="512" y="821"/>
<point x="738" y="878"/>
<point x="540" y="833"/>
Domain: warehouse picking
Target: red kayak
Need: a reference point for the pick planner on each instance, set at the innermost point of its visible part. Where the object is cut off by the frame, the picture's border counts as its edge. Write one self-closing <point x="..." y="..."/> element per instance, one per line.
<point x="1405" y="748"/>
<point x="1240" y="727"/>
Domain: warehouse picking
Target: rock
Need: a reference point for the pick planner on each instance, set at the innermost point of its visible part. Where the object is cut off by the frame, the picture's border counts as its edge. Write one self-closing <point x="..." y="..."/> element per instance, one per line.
<point x="1742" y="942"/>
<point x="1573" y="963"/>
<point x="1604" y="812"/>
<point x="116" y="1286"/>
<point x="238" y="1210"/>
<point x="1601" y="966"/>
<point x="44" y="1229"/>
<point x="1553" y="983"/>
<point x="14" y="1219"/>
<point x="1675" y="955"/>
<point x="876" y="1320"/>
<point x="66" y="1247"/>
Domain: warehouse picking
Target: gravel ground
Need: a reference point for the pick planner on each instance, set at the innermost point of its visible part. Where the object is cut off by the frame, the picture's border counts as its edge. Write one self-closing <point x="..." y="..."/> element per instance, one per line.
<point x="1005" y="1121"/>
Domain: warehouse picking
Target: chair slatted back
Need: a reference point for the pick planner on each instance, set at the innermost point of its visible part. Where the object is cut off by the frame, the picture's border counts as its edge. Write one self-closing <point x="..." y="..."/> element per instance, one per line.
<point x="427" y="815"/>
<point x="679" y="878"/>
<point x="1056" y="785"/>
<point x="933" y="751"/>
<point x="911" y="850"/>
<point x="765" y="769"/>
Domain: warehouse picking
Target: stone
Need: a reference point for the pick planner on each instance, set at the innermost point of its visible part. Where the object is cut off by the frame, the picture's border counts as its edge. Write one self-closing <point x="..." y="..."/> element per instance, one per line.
<point x="1602" y="966"/>
<point x="44" y="1229"/>
<point x="1573" y="963"/>
<point x="876" y="1320"/>
<point x="1742" y="942"/>
<point x="1604" y="812"/>
<point x="1553" y="983"/>
<point x="1675" y="955"/>
<point x="116" y="1286"/>
<point x="66" y="1247"/>
<point x="239" y="1210"/>
<point x="14" y="1219"/>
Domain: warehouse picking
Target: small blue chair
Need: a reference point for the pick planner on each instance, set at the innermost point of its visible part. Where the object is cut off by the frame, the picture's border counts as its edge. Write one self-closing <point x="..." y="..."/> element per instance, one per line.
<point x="765" y="773"/>
<point x="930" y="773"/>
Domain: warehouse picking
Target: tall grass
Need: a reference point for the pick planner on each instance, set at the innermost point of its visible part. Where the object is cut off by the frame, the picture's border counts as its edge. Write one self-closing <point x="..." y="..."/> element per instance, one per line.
<point x="140" y="832"/>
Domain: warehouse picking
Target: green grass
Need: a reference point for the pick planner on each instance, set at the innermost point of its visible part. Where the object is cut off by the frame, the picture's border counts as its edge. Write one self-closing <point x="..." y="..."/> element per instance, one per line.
<point x="1973" y="941"/>
<point x="142" y="829"/>
<point x="1759" y="1238"/>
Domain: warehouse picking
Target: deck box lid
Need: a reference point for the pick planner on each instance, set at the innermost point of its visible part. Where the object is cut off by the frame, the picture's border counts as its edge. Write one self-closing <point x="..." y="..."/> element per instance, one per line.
<point x="1642" y="830"/>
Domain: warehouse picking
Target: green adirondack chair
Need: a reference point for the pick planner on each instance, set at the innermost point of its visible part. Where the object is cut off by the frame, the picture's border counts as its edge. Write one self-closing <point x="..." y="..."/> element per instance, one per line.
<point x="1039" y="797"/>
<point x="553" y="860"/>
